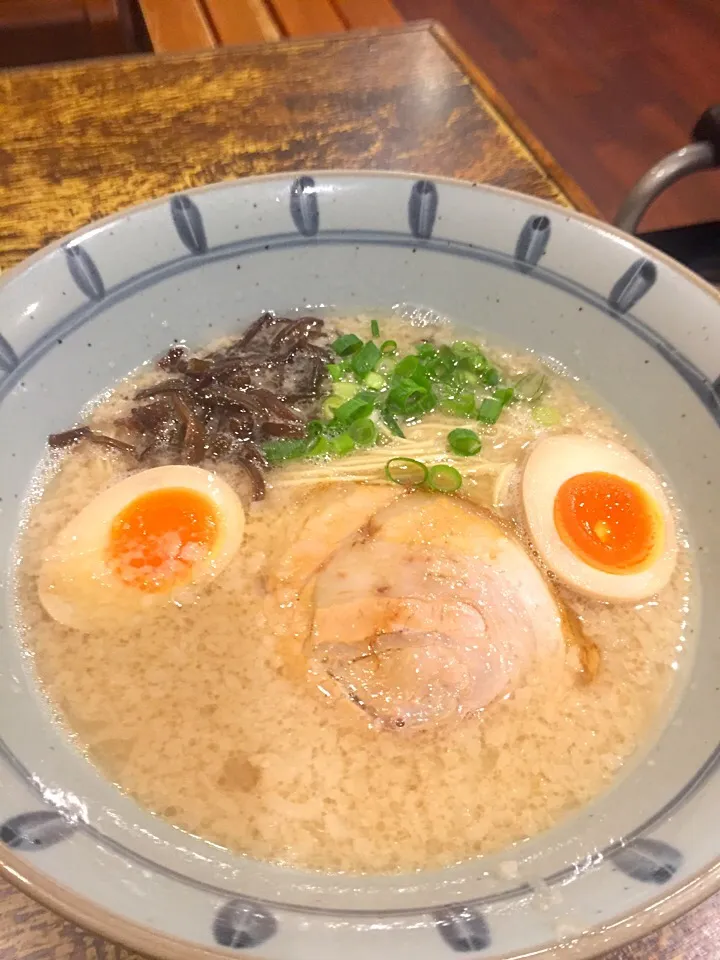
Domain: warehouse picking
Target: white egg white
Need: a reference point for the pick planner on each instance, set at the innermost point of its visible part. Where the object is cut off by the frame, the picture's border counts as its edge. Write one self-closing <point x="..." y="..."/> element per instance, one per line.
<point x="77" y="587"/>
<point x="550" y="464"/>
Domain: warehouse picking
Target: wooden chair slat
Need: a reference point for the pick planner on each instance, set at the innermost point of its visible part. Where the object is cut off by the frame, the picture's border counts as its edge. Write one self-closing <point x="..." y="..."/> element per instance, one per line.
<point x="175" y="25"/>
<point x="242" y="21"/>
<point x="362" y="14"/>
<point x="302" y="18"/>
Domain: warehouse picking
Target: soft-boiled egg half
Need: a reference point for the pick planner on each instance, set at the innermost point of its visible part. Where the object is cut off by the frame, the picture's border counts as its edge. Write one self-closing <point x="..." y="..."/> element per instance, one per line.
<point x="151" y="539"/>
<point x="599" y="518"/>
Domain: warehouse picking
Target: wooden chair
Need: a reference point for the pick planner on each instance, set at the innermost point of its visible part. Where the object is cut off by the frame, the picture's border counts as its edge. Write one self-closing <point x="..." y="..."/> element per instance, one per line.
<point x="175" y="25"/>
<point x="38" y="31"/>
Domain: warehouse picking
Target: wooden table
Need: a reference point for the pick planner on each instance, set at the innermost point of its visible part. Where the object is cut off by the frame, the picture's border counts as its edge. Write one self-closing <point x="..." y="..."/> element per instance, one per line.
<point x="82" y="141"/>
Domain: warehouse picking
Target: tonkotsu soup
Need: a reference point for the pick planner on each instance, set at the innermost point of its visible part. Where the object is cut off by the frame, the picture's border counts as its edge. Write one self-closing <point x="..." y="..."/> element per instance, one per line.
<point x="355" y="595"/>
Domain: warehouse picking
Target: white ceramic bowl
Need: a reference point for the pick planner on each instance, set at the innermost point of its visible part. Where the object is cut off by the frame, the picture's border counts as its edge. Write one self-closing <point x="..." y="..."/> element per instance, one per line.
<point x="642" y="332"/>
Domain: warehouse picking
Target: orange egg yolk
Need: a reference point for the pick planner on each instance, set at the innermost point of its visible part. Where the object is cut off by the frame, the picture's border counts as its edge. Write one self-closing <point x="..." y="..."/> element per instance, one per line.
<point x="607" y="521"/>
<point x="157" y="538"/>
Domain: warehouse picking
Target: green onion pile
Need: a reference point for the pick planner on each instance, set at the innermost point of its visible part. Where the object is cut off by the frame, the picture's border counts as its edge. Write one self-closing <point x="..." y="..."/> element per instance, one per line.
<point x="375" y="392"/>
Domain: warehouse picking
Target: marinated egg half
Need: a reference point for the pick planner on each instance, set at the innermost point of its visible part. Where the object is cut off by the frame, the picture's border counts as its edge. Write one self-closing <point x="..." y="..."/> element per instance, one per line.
<point x="599" y="518"/>
<point x="148" y="540"/>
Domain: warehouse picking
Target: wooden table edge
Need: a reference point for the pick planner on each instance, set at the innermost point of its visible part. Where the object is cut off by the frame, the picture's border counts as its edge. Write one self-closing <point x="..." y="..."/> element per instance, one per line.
<point x="509" y="119"/>
<point x="413" y="26"/>
<point x="493" y="101"/>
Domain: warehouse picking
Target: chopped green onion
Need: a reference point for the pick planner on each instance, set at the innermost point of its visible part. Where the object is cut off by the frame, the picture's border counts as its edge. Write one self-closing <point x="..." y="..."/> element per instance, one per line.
<point x="278" y="450"/>
<point x="504" y="395"/>
<point x="531" y="386"/>
<point x="392" y="424"/>
<point x="330" y="406"/>
<point x="442" y="366"/>
<point x="345" y="389"/>
<point x="407" y="472"/>
<point x="407" y="366"/>
<point x="364" y="432"/>
<point x="385" y="368"/>
<point x="342" y="445"/>
<point x="466" y="377"/>
<point x="420" y="376"/>
<point x="354" y="409"/>
<point x="465" y="348"/>
<point x="314" y="429"/>
<point x="489" y="410"/>
<point x="425" y="350"/>
<point x="444" y="478"/>
<point x="374" y="328"/>
<point x="546" y="416"/>
<point x="347" y="344"/>
<point x="469" y="356"/>
<point x="374" y="381"/>
<point x="459" y="404"/>
<point x="491" y="376"/>
<point x="390" y="346"/>
<point x="466" y="443"/>
<point x="405" y="396"/>
<point x="335" y="371"/>
<point x="319" y="447"/>
<point x="365" y="359"/>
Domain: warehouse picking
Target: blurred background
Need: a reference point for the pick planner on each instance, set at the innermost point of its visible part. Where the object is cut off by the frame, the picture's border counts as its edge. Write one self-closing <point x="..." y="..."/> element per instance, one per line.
<point x="608" y="86"/>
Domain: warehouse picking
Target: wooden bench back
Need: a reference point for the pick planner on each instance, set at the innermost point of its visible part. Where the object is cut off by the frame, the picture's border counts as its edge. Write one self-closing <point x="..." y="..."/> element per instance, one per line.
<point x="175" y="25"/>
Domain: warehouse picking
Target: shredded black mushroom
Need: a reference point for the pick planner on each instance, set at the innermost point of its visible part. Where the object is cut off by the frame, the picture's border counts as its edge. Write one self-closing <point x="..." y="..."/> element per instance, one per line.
<point x="69" y="437"/>
<point x="222" y="405"/>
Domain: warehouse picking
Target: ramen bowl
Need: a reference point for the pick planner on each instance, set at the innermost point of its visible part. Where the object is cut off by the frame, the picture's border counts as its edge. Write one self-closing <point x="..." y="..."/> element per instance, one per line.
<point x="640" y="331"/>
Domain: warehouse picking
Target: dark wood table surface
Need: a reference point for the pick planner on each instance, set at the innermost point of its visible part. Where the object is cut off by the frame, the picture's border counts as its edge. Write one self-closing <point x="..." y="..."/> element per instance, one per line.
<point x="78" y="142"/>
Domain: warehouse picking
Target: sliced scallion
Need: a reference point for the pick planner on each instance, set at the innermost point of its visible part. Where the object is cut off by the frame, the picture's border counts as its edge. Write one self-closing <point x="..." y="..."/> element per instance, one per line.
<point x="354" y="409"/>
<point x="459" y="404"/>
<point x="392" y="424"/>
<point x="531" y="386"/>
<point x="469" y="356"/>
<point x="465" y="348"/>
<point x="425" y="350"/>
<point x="504" y="395"/>
<point x="466" y="377"/>
<point x="342" y="445"/>
<point x="420" y="376"/>
<point x="489" y="410"/>
<point x="406" y="472"/>
<point x="331" y="405"/>
<point x="314" y="429"/>
<point x="374" y="328"/>
<point x="491" y="376"/>
<point x="364" y="432"/>
<point x="345" y="389"/>
<point x="388" y="347"/>
<point x="335" y="371"/>
<point x="546" y="416"/>
<point x="444" y="478"/>
<point x="347" y="344"/>
<point x="374" y="381"/>
<point x="464" y="442"/>
<point x="365" y="359"/>
<point x="277" y="451"/>
<point x="406" y="396"/>
<point x="319" y="447"/>
<point x="407" y="366"/>
<point x="442" y="366"/>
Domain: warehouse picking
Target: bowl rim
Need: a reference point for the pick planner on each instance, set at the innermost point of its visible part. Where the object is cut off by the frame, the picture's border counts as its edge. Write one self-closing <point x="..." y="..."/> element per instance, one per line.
<point x="83" y="912"/>
<point x="626" y="928"/>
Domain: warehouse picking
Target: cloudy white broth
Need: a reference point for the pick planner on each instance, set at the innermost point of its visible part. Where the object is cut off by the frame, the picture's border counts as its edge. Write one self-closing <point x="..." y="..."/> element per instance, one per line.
<point x="354" y="595"/>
